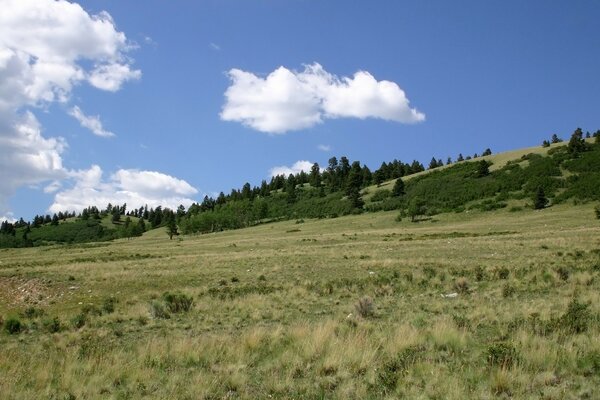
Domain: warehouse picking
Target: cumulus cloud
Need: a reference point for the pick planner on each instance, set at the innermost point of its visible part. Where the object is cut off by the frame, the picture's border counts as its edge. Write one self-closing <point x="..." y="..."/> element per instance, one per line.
<point x="47" y="47"/>
<point x="90" y="122"/>
<point x="287" y="100"/>
<point x="134" y="187"/>
<point x="296" y="168"/>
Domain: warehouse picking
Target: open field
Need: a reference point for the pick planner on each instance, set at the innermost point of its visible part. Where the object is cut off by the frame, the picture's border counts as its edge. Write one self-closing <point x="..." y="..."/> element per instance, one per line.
<point x="274" y="311"/>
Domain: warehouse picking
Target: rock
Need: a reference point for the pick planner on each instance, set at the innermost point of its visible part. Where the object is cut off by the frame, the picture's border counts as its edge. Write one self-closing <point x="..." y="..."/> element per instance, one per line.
<point x="450" y="295"/>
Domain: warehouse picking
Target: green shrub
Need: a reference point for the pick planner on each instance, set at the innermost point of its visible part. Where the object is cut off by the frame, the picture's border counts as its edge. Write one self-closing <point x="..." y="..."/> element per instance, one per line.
<point x="108" y="305"/>
<point x="597" y="209"/>
<point x="158" y="310"/>
<point x="576" y="318"/>
<point x="502" y="354"/>
<point x="381" y="195"/>
<point x="13" y="325"/>
<point x="178" y="302"/>
<point x="32" y="312"/>
<point x="79" y="320"/>
<point x="52" y="325"/>
<point x="508" y="290"/>
<point x="503" y="273"/>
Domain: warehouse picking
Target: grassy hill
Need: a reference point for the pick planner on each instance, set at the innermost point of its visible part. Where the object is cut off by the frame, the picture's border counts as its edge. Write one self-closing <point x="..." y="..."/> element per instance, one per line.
<point x="463" y="305"/>
<point x="483" y="297"/>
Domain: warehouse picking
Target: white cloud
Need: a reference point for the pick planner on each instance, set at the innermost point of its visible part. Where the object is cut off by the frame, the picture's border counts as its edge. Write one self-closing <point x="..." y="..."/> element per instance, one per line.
<point x="47" y="47"/>
<point x="214" y="46"/>
<point x="90" y="122"/>
<point x="324" y="147"/>
<point x="298" y="166"/>
<point x="134" y="187"/>
<point x="288" y="100"/>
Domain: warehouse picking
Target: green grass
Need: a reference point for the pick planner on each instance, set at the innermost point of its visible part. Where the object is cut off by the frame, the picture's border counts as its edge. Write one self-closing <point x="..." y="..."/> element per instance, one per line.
<point x="273" y="311"/>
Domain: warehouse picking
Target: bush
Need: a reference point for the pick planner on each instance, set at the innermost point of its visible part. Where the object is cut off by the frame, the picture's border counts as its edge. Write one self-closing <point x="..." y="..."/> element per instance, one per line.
<point x="461" y="285"/>
<point x="108" y="306"/>
<point x="597" y="209"/>
<point x="365" y="307"/>
<point x="576" y="318"/>
<point x="563" y="273"/>
<point x="508" y="290"/>
<point x="503" y="273"/>
<point x="178" y="302"/>
<point x="13" y="325"/>
<point x="79" y="320"/>
<point x="502" y="354"/>
<point x="158" y="310"/>
<point x="52" y="325"/>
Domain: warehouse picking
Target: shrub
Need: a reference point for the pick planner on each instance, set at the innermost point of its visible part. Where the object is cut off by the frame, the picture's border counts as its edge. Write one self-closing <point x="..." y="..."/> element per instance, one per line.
<point x="32" y="312"/>
<point x="79" y="320"/>
<point x="461" y="285"/>
<point x="502" y="354"/>
<point x="13" y="325"/>
<point x="381" y="194"/>
<point x="507" y="290"/>
<point x="365" y="307"/>
<point x="178" y="302"/>
<point x="52" y="325"/>
<point x="576" y="318"/>
<point x="158" y="310"/>
<point x="597" y="209"/>
<point x="479" y="274"/>
<point x="563" y="273"/>
<point x="108" y="305"/>
<point x="503" y="273"/>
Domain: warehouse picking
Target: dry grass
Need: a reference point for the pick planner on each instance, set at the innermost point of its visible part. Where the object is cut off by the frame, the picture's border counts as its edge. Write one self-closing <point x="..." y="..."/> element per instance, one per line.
<point x="270" y="315"/>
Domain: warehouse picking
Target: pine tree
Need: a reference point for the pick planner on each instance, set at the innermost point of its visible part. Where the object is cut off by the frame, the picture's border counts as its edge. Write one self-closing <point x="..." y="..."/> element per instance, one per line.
<point x="576" y="143"/>
<point x="483" y="169"/>
<point x="315" y="176"/>
<point x="540" y="201"/>
<point x="398" y="189"/>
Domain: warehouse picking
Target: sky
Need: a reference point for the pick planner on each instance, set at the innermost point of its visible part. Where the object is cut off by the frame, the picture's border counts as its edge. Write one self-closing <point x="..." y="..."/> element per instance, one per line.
<point x="162" y="103"/>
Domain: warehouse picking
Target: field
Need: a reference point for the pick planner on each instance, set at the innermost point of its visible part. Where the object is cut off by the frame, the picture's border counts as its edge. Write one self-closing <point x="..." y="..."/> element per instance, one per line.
<point x="473" y="305"/>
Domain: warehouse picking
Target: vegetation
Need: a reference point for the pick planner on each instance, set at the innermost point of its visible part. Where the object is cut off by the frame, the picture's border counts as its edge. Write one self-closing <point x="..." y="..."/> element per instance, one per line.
<point x="352" y="307"/>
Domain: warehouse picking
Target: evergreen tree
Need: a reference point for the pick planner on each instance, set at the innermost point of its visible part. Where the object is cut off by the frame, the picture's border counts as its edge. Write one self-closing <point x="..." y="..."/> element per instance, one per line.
<point x="433" y="163"/>
<point x="315" y="176"/>
<point x="460" y="157"/>
<point x="354" y="180"/>
<point x="398" y="189"/>
<point x="367" y="176"/>
<point x="540" y="201"/>
<point x="290" y="189"/>
<point x="545" y="143"/>
<point x="576" y="143"/>
<point x="555" y="139"/>
<point x="487" y="152"/>
<point x="54" y="220"/>
<point x="483" y="168"/>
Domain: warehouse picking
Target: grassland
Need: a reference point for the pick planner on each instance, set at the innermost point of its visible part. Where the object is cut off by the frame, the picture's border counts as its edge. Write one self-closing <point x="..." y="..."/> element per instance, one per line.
<point x="274" y="311"/>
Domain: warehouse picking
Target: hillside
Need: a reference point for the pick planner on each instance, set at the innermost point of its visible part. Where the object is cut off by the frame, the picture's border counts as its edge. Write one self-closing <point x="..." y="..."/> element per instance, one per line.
<point x="345" y="308"/>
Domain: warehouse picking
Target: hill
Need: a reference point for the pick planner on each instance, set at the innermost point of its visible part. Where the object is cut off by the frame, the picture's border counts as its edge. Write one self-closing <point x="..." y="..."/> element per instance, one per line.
<point x="462" y="305"/>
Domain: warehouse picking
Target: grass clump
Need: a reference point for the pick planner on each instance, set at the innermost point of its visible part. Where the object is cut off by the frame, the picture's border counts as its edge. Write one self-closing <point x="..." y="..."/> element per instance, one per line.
<point x="178" y="302"/>
<point x="577" y="317"/>
<point x="158" y="310"/>
<point x="52" y="325"/>
<point x="365" y="307"/>
<point x="13" y="325"/>
<point x="502" y="354"/>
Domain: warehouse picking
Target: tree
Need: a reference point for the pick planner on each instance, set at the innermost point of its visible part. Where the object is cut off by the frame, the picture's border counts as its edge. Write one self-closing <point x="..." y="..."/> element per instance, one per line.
<point x="540" y="201"/>
<point x="487" y="152"/>
<point x="555" y="139"/>
<point x="398" y="189"/>
<point x="460" y="157"/>
<point x="54" y="220"/>
<point x="290" y="189"/>
<point x="433" y="163"/>
<point x="545" y="143"/>
<point x="315" y="176"/>
<point x="416" y="208"/>
<point x="172" y="228"/>
<point x="355" y="177"/>
<point x="483" y="168"/>
<point x="576" y="143"/>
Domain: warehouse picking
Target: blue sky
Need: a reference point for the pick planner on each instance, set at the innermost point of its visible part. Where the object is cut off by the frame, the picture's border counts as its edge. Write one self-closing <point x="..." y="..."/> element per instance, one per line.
<point x="502" y="75"/>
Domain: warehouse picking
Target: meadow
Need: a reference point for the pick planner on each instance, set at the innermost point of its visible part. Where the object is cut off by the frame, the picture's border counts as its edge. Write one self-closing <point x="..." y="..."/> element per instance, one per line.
<point x="498" y="304"/>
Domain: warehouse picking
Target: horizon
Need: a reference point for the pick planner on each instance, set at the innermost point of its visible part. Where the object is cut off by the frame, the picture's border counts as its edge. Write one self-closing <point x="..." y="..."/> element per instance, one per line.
<point x="102" y="101"/>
